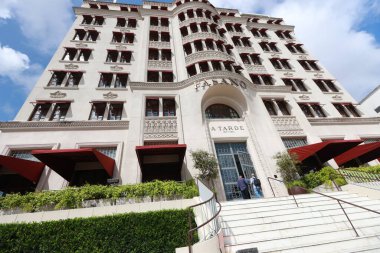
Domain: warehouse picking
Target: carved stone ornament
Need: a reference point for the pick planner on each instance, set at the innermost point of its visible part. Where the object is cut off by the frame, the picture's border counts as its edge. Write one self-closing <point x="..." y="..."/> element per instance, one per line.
<point x="81" y="44"/>
<point x="124" y="30"/>
<point x="304" y="97"/>
<point x="121" y="47"/>
<point x="275" y="55"/>
<point x="264" y="40"/>
<point x="318" y="75"/>
<point x="337" y="97"/>
<point x="58" y="94"/>
<point x="303" y="57"/>
<point x="288" y="74"/>
<point x="110" y="95"/>
<point x="116" y="68"/>
<point x="71" y="66"/>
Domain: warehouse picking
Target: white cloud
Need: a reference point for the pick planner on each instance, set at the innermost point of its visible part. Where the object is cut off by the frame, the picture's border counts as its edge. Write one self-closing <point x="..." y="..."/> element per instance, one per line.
<point x="329" y="30"/>
<point x="7" y="109"/>
<point x="44" y="23"/>
<point x="16" y="66"/>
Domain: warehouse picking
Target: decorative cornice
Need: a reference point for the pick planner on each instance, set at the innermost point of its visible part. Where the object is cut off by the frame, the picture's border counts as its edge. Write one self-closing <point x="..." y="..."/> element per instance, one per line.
<point x="273" y="27"/>
<point x="160" y="65"/>
<point x="58" y="94"/>
<point x="61" y="125"/>
<point x="202" y="36"/>
<point x="106" y="13"/>
<point x="287" y="125"/>
<point x="256" y="69"/>
<point x="207" y="56"/>
<point x="159" y="28"/>
<point x="344" y="121"/>
<point x="250" y="50"/>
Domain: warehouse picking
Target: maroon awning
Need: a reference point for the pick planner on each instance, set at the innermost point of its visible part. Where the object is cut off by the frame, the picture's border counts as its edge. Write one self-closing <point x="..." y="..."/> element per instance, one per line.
<point x="177" y="151"/>
<point x="30" y="170"/>
<point x="63" y="161"/>
<point x="319" y="153"/>
<point x="360" y="154"/>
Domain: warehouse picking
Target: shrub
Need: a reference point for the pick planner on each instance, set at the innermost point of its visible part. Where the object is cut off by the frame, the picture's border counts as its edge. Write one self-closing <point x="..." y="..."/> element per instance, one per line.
<point x="73" y="197"/>
<point x="368" y="169"/>
<point x="288" y="166"/>
<point x="161" y="231"/>
<point x="296" y="183"/>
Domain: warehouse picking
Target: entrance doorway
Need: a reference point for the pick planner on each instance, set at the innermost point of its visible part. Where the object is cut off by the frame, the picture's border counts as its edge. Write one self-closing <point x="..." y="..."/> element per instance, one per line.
<point x="234" y="160"/>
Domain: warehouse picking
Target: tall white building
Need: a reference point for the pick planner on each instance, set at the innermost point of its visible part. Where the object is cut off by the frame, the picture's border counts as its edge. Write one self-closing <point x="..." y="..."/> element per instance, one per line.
<point x="132" y="90"/>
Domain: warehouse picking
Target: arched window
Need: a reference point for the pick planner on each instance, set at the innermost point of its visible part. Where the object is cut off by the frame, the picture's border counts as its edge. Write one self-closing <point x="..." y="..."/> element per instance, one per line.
<point x="220" y="111"/>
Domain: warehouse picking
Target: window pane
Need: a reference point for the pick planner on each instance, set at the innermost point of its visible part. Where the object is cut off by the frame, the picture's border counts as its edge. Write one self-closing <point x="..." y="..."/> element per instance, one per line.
<point x="60" y="111"/>
<point x="97" y="111"/>
<point x="152" y="107"/>
<point x="40" y="112"/>
<point x="283" y="107"/>
<point x="115" y="112"/>
<point x="270" y="107"/>
<point x="169" y="107"/>
<point x="220" y="111"/>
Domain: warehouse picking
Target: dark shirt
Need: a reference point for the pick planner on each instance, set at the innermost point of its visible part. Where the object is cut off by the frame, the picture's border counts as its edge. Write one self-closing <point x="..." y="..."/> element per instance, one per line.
<point x="242" y="184"/>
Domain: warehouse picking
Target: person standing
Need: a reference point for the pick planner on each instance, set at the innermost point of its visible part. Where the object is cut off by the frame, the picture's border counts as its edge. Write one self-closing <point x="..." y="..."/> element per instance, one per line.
<point x="256" y="186"/>
<point x="243" y="187"/>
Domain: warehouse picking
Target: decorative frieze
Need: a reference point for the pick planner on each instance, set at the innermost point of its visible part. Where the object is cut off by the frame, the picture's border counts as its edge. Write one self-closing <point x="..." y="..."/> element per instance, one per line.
<point x="159" y="44"/>
<point x="160" y="127"/>
<point x="256" y="69"/>
<point x="58" y="94"/>
<point x="344" y="121"/>
<point x="71" y="66"/>
<point x="287" y="125"/>
<point x="241" y="50"/>
<point x="208" y="56"/>
<point x="197" y="20"/>
<point x="202" y="36"/>
<point x="159" y="28"/>
<point x="110" y="95"/>
<point x="81" y="45"/>
<point x="160" y="65"/>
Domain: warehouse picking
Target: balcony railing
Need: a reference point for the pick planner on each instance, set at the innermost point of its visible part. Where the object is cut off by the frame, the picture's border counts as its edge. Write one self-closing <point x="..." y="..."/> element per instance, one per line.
<point x="160" y="127"/>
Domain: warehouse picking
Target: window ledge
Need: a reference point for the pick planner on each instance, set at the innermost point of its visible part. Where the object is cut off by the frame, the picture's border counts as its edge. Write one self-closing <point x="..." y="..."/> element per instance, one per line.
<point x="314" y="71"/>
<point x="60" y="88"/>
<point x="84" y="62"/>
<point x="286" y="70"/>
<point x="91" y="25"/>
<point x="118" y="63"/>
<point x="333" y="92"/>
<point x="110" y="88"/>
<point x="125" y="27"/>
<point x="121" y="44"/>
<point x="82" y="41"/>
<point x="301" y="92"/>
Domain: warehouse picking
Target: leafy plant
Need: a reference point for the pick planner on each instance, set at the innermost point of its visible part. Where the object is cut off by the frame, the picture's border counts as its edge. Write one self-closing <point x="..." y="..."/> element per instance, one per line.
<point x="288" y="166"/>
<point x="73" y="197"/>
<point x="207" y="165"/>
<point x="153" y="232"/>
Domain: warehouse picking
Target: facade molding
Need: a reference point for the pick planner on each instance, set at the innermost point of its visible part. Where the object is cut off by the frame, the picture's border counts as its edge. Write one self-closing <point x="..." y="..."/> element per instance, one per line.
<point x="202" y="36"/>
<point x="207" y="56"/>
<point x="344" y="121"/>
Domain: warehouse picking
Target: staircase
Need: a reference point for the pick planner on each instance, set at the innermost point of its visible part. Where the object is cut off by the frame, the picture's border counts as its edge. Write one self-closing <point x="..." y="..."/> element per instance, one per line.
<point x="317" y="225"/>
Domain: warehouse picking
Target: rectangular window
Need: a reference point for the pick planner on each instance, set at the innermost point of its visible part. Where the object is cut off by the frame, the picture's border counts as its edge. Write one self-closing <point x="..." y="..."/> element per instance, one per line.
<point x="306" y="110"/>
<point x="129" y="38"/>
<point x="132" y="23"/>
<point x="166" y="55"/>
<point x="152" y="108"/>
<point x="347" y="110"/>
<point x="99" y="21"/>
<point x="153" y="76"/>
<point x="153" y="36"/>
<point x="309" y="65"/>
<point x="92" y="35"/>
<point x="167" y="77"/>
<point x="296" y="84"/>
<point x="97" y="111"/>
<point x="115" y="111"/>
<point x="153" y="54"/>
<point x="294" y="142"/>
<point x="117" y="37"/>
<point x="216" y="65"/>
<point x="69" y="54"/>
<point x="283" y="107"/>
<point x="87" y="20"/>
<point x="57" y="78"/>
<point x="112" y="56"/>
<point x="74" y="79"/>
<point x="169" y="107"/>
<point x="318" y="110"/>
<point x="80" y="34"/>
<point x="191" y="70"/>
<point x="164" y="22"/>
<point x="84" y="54"/>
<point x="165" y="37"/>
<point x="121" y="80"/>
<point x="125" y="57"/>
<point x="270" y="107"/>
<point x="105" y="80"/>
<point x="40" y="111"/>
<point x="60" y="111"/>
<point x="121" y="22"/>
<point x="154" y="21"/>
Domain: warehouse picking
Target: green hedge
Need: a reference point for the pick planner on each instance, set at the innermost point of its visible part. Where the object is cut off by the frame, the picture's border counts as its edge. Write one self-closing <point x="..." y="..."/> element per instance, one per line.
<point x="322" y="177"/>
<point x="368" y="169"/>
<point x="73" y="197"/>
<point x="161" y="231"/>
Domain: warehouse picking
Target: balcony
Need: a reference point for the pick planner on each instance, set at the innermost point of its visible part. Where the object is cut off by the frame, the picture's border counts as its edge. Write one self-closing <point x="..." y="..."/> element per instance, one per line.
<point x="159" y="44"/>
<point x="208" y="56"/>
<point x="256" y="69"/>
<point x="197" y="20"/>
<point x="160" y="65"/>
<point x="160" y="128"/>
<point x="241" y="50"/>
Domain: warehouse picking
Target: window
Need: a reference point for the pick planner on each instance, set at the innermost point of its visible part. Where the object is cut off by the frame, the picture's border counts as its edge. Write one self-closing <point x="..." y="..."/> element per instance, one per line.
<point x="115" y="111"/>
<point x="164" y="22"/>
<point x="80" y="34"/>
<point x="40" y="111"/>
<point x="153" y="36"/>
<point x="204" y="27"/>
<point x="296" y="84"/>
<point x="309" y="65"/>
<point x="204" y="67"/>
<point x="169" y="107"/>
<point x="269" y="46"/>
<point x="181" y="17"/>
<point x="87" y="20"/>
<point x="326" y="85"/>
<point x="152" y="108"/>
<point x="191" y="70"/>
<point x="153" y="76"/>
<point x="58" y="79"/>
<point x="110" y="80"/>
<point x="294" y="142"/>
<point x="113" y="56"/>
<point x="280" y="63"/>
<point x="194" y="28"/>
<point x="259" y="33"/>
<point x="236" y="41"/>
<point x="117" y="37"/>
<point x="187" y="48"/>
<point x="97" y="111"/>
<point x="347" y="110"/>
<point x="251" y="59"/>
<point x="284" y="34"/>
<point x="99" y="21"/>
<point x="121" y="22"/>
<point x="132" y="23"/>
<point x="73" y="54"/>
<point x="92" y="35"/>
<point x="154" y="21"/>
<point x="216" y="65"/>
<point x="276" y="107"/>
<point x="221" y="111"/>
<point x="198" y="45"/>
<point x="167" y="77"/>
<point x="312" y="110"/>
<point x="165" y="37"/>
<point x="166" y="55"/>
<point x="153" y="54"/>
<point x="104" y="7"/>
<point x="246" y="42"/>
<point x="295" y="48"/>
<point x="60" y="111"/>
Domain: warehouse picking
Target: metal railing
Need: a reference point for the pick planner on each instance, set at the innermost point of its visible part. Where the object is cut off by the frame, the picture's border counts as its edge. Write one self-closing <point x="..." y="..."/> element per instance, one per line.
<point x="361" y="178"/>
<point x="208" y="208"/>
<point x="340" y="201"/>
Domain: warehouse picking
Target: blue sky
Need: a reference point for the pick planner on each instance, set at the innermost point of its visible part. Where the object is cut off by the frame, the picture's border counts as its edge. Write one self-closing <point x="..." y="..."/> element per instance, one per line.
<point x="343" y="35"/>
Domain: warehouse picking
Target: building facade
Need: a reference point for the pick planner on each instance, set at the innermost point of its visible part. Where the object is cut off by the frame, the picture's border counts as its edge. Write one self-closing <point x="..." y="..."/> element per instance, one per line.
<point x="132" y="90"/>
<point x="371" y="101"/>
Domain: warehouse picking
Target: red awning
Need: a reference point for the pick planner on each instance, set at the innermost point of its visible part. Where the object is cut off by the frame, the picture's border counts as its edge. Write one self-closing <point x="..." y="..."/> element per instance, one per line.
<point x="63" y="161"/>
<point x="322" y="152"/>
<point x="173" y="149"/>
<point x="30" y="170"/>
<point x="362" y="154"/>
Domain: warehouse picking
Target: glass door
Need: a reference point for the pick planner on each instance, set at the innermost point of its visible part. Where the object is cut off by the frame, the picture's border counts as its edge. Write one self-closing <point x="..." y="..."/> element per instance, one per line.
<point x="234" y="160"/>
